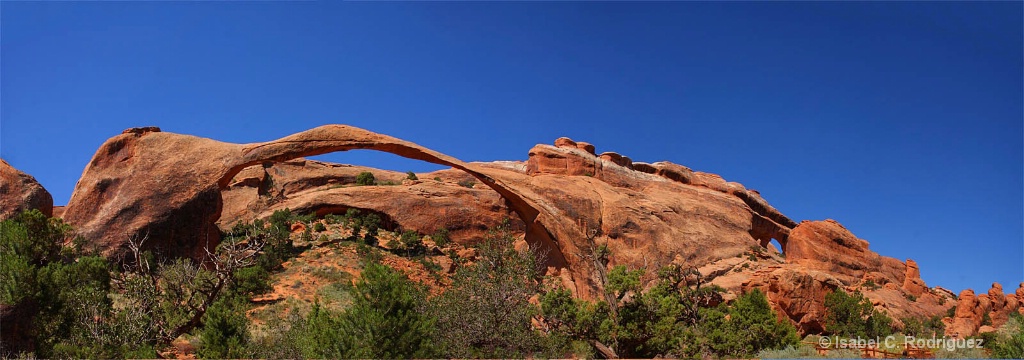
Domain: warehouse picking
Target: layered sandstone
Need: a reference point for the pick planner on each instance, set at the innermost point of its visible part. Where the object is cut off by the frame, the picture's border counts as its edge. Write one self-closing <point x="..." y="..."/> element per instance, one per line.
<point x="424" y="205"/>
<point x="565" y="198"/>
<point x="133" y="189"/>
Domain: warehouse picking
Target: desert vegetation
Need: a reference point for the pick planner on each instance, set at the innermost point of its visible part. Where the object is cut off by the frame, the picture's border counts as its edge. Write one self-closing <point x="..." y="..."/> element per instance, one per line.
<point x="76" y="303"/>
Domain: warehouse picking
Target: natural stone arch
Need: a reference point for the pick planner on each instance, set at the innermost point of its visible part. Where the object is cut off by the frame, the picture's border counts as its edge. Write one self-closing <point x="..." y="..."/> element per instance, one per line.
<point x="167" y="186"/>
<point x="335" y="138"/>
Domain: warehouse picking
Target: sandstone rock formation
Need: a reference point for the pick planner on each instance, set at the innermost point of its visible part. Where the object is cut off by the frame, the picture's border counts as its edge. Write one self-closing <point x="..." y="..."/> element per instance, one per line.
<point x="826" y="256"/>
<point x="424" y="205"/>
<point x="972" y="310"/>
<point x="564" y="197"/>
<point x="20" y="191"/>
<point x="132" y="188"/>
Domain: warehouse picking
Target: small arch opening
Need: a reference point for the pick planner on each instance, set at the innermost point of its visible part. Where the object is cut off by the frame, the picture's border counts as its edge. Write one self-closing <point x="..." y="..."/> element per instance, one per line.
<point x="776" y="247"/>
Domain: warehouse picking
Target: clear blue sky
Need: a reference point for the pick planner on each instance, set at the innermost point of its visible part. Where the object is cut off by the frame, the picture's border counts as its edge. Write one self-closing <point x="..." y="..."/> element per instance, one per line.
<point x="901" y="120"/>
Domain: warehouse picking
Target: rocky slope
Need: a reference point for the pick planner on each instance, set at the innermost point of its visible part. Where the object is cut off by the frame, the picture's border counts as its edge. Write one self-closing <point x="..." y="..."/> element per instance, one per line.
<point x="566" y="199"/>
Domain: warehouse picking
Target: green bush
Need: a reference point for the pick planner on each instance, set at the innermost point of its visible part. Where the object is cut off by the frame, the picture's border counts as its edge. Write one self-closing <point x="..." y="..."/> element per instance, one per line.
<point x="334" y="219"/>
<point x="923" y="328"/>
<point x="1009" y="342"/>
<point x="411" y="175"/>
<point x="251" y="281"/>
<point x="807" y="352"/>
<point x="852" y="315"/>
<point x="412" y="243"/>
<point x="751" y="328"/>
<point x="319" y="226"/>
<point x="365" y="178"/>
<point x="467" y="183"/>
<point x="225" y="332"/>
<point x="403" y="330"/>
<point x="60" y="287"/>
<point x="441" y="237"/>
<point x="486" y="312"/>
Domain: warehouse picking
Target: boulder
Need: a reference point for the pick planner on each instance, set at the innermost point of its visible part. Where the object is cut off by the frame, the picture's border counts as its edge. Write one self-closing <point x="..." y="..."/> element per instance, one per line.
<point x="20" y="191"/>
<point x="564" y="142"/>
<point x="587" y="147"/>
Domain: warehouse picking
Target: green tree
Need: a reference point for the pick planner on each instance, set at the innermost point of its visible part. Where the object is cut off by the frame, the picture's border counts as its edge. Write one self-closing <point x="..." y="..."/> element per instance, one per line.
<point x="441" y="237"/>
<point x="853" y="315"/>
<point x="412" y="243"/>
<point x="752" y="327"/>
<point x="411" y="175"/>
<point x="61" y="290"/>
<point x="225" y="332"/>
<point x="386" y="320"/>
<point x="365" y="178"/>
<point x="486" y="312"/>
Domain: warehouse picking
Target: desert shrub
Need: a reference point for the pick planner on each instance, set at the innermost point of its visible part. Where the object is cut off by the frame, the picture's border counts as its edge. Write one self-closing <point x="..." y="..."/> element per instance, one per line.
<point x="852" y="315"/>
<point x="225" y="332"/>
<point x="411" y="175"/>
<point x="671" y="319"/>
<point x="412" y="243"/>
<point x="571" y="322"/>
<point x="486" y="312"/>
<point x="986" y="319"/>
<point x="751" y="328"/>
<point x="278" y="245"/>
<point x="334" y="219"/>
<point x="251" y="281"/>
<point x="1009" y="339"/>
<point x="372" y="223"/>
<point x="807" y="352"/>
<point x="467" y="183"/>
<point x="431" y="266"/>
<point x="365" y="178"/>
<point x="363" y="330"/>
<point x="437" y="178"/>
<point x="789" y="352"/>
<point x="307" y="236"/>
<point x="404" y="331"/>
<point x="60" y="287"/>
<point x="919" y="328"/>
<point x="441" y="237"/>
<point x="319" y="226"/>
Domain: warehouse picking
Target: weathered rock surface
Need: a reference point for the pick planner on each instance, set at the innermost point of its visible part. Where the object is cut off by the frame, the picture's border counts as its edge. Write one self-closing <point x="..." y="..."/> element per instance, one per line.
<point x="912" y="282"/>
<point x="971" y="310"/>
<point x="423" y="205"/>
<point x="132" y="188"/>
<point x="828" y="246"/>
<point x="648" y="214"/>
<point x="797" y="293"/>
<point x="20" y="191"/>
